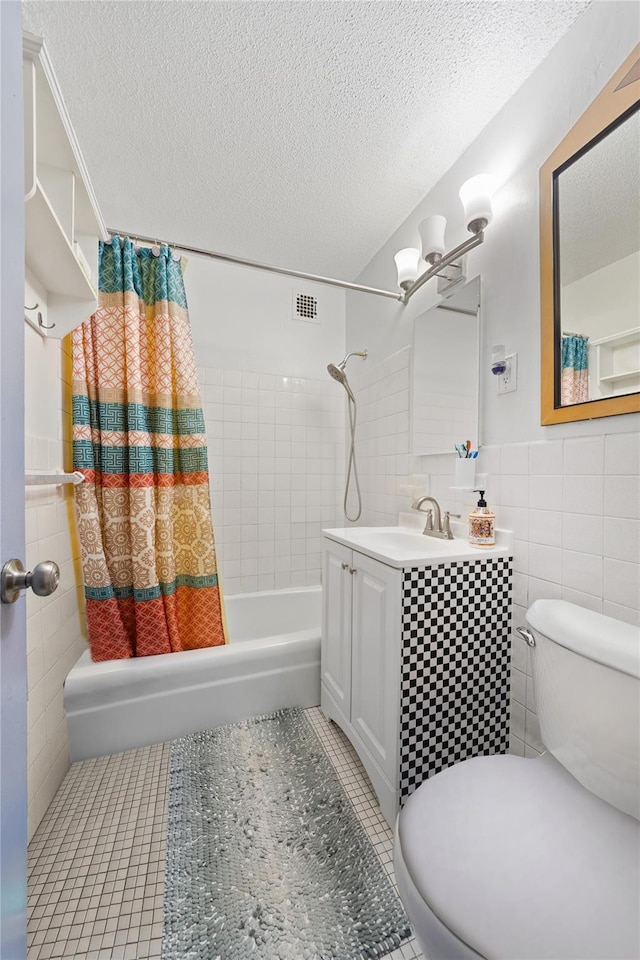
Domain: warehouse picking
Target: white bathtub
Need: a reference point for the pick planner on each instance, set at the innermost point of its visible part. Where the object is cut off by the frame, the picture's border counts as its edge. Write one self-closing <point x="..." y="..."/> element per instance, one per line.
<point x="272" y="661"/>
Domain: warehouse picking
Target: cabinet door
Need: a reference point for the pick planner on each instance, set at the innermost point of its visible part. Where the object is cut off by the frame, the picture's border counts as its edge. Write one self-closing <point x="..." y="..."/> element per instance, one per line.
<point x="336" y="623"/>
<point x="375" y="688"/>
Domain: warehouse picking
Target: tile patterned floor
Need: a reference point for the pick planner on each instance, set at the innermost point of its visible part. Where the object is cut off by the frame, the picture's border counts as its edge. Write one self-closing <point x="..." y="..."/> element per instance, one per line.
<point x="358" y="787"/>
<point x="96" y="862"/>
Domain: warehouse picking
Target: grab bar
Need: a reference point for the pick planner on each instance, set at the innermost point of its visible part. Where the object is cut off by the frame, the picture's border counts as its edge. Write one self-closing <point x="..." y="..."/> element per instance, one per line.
<point x="53" y="479"/>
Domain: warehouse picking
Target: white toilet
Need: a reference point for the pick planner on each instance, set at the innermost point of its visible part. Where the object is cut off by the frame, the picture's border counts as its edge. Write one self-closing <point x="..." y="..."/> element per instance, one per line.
<point x="505" y="858"/>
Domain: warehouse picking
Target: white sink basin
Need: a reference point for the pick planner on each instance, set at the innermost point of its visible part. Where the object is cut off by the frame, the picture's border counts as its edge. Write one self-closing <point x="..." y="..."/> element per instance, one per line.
<point x="408" y="547"/>
<point x="397" y="538"/>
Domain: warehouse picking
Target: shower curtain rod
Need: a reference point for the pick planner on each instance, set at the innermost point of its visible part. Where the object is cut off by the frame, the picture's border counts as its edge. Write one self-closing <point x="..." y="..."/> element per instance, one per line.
<point x="258" y="265"/>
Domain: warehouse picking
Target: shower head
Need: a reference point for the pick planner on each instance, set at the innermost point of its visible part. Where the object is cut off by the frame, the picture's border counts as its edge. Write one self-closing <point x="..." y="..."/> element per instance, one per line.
<point x="338" y="373"/>
<point x="337" y="370"/>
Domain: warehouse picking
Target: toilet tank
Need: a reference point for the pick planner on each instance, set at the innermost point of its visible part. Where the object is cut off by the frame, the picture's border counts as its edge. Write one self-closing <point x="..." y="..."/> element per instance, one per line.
<point x="586" y="673"/>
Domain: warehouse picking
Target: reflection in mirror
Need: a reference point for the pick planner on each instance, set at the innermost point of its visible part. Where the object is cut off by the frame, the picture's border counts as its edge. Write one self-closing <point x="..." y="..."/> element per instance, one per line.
<point x="597" y="249"/>
<point x="444" y="398"/>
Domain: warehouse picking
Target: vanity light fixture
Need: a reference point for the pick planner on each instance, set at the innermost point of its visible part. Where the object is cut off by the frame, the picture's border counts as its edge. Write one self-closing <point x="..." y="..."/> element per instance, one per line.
<point x="408" y="266"/>
<point x="431" y="233"/>
<point x="475" y="195"/>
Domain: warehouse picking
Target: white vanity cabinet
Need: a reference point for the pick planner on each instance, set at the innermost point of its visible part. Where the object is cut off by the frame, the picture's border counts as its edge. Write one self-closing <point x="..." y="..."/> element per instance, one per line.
<point x="415" y="658"/>
<point x="361" y="652"/>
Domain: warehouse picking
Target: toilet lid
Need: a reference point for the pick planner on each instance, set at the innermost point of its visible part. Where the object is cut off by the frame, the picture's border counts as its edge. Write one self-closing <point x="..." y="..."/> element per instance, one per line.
<point x="518" y="860"/>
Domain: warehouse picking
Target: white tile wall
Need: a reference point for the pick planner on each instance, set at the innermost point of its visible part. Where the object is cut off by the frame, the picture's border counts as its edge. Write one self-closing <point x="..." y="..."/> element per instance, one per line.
<point x="276" y="461"/>
<point x="54" y="626"/>
<point x="382" y="436"/>
<point x="573" y="505"/>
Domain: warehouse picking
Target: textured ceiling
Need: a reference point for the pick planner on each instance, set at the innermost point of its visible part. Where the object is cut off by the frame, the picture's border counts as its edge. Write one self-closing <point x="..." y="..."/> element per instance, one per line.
<point x="301" y="133"/>
<point x="600" y="203"/>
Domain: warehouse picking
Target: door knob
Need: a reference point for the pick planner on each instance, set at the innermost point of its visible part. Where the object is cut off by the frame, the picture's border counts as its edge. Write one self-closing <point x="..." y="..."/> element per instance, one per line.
<point x="43" y="579"/>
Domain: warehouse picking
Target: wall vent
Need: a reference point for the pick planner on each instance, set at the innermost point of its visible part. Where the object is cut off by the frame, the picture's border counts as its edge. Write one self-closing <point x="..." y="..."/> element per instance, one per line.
<point x="305" y="307"/>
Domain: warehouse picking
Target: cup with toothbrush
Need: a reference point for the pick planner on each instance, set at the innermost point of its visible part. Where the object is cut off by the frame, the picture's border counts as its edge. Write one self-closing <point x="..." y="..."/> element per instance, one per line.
<point x="465" y="466"/>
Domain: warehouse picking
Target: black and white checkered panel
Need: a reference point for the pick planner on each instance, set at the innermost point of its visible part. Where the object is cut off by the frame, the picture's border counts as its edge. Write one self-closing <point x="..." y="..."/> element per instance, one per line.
<point x="455" y="666"/>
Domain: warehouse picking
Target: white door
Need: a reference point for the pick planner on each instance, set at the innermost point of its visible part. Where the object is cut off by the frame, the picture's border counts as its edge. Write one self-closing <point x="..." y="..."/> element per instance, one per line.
<point x="13" y="670"/>
<point x="375" y="660"/>
<point x="336" y="624"/>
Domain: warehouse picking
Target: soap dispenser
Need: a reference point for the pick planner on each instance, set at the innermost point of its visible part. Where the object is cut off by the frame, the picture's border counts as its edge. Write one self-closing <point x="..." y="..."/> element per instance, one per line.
<point x="482" y="524"/>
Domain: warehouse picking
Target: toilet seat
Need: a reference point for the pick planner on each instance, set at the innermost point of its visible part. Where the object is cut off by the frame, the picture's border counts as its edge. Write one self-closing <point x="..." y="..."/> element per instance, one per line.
<point x="515" y="859"/>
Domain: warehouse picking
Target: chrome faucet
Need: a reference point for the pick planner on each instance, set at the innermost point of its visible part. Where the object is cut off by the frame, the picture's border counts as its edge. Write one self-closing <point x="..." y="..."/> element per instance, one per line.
<point x="435" y="525"/>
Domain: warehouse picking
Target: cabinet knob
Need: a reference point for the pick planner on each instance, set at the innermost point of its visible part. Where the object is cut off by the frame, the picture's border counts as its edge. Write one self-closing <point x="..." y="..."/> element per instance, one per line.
<point x="345" y="566"/>
<point x="352" y="570"/>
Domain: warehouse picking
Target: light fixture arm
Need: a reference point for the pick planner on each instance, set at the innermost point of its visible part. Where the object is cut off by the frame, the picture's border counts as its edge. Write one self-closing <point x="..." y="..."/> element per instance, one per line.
<point x="445" y="261"/>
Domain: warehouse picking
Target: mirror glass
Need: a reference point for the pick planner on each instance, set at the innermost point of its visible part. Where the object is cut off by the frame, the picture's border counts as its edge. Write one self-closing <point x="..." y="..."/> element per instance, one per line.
<point x="445" y="365"/>
<point x="596" y="197"/>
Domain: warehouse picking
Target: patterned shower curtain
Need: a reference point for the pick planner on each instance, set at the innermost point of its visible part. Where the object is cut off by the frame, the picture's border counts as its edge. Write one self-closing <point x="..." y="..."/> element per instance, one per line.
<point x="574" y="385"/>
<point x="144" y="515"/>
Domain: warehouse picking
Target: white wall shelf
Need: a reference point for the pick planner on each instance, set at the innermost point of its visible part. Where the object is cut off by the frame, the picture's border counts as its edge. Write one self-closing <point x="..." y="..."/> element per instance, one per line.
<point x="617" y="362"/>
<point x="627" y="375"/>
<point x="63" y="223"/>
<point x="49" y="254"/>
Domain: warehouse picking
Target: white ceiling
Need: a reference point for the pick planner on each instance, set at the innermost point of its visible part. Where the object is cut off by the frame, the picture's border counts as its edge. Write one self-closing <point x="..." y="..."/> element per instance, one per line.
<point x="301" y="133"/>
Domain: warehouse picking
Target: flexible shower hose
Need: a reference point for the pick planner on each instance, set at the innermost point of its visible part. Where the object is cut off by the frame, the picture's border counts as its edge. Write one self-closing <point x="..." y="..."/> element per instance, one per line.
<point x="352" y="468"/>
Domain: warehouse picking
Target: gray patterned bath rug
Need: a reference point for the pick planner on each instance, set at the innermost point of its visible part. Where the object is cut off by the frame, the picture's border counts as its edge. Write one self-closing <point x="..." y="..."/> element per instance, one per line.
<point x="266" y="859"/>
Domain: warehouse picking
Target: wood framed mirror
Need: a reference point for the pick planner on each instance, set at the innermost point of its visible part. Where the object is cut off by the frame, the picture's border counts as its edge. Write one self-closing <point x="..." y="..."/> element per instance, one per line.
<point x="590" y="259"/>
